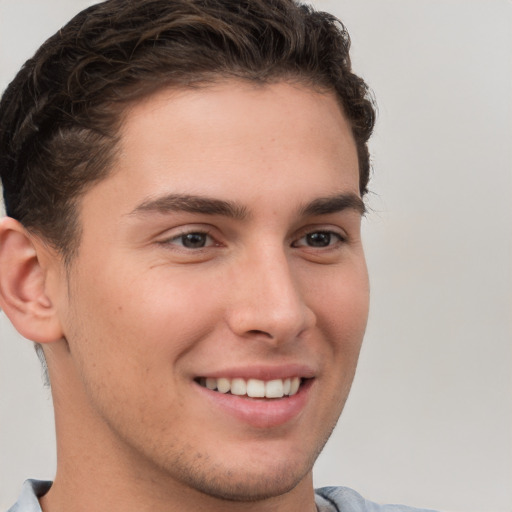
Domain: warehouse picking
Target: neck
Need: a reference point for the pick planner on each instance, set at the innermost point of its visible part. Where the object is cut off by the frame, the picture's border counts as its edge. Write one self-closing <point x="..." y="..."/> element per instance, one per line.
<point x="99" y="490"/>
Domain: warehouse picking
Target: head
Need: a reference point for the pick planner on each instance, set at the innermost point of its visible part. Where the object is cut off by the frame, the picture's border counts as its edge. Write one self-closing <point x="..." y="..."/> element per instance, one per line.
<point x="190" y="175"/>
<point x="60" y="117"/>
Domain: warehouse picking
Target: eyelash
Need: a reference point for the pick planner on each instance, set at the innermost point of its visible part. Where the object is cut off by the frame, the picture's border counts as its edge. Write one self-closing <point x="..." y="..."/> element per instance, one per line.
<point x="183" y="235"/>
<point x="326" y="235"/>
<point x="323" y="235"/>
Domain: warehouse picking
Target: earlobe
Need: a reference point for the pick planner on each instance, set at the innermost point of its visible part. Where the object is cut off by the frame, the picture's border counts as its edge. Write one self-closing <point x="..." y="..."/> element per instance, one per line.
<point x="23" y="293"/>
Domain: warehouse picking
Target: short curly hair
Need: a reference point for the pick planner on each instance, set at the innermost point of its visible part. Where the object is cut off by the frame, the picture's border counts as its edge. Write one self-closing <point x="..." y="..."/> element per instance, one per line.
<point x="60" y="116"/>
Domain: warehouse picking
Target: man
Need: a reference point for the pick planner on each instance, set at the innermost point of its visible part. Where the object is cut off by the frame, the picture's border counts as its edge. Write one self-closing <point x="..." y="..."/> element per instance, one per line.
<point x="184" y="186"/>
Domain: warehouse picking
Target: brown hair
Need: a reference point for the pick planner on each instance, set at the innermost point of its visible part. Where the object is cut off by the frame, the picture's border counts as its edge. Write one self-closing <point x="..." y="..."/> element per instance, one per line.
<point x="60" y="116"/>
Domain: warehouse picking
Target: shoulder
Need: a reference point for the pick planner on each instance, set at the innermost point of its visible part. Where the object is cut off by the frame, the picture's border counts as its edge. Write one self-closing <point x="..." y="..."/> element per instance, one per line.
<point x="336" y="499"/>
<point x="328" y="499"/>
<point x="31" y="490"/>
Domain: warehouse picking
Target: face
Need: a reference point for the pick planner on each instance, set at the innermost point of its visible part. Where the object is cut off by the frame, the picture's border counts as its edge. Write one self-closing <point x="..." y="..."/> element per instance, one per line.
<point x="216" y="308"/>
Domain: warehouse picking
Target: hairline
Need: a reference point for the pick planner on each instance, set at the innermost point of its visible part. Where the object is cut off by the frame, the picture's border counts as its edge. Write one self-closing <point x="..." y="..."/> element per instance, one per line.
<point x="123" y="109"/>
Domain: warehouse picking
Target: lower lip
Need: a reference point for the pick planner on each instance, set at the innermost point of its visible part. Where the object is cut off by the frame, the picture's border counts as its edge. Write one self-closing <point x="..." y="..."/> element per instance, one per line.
<point x="260" y="413"/>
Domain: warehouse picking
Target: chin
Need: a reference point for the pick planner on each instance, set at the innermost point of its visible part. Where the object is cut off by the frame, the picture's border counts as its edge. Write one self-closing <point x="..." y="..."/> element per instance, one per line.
<point x="261" y="476"/>
<point x="239" y="487"/>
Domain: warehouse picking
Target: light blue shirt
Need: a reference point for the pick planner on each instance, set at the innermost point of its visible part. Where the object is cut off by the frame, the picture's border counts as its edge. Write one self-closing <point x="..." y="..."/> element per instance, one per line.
<point x="31" y="490"/>
<point x="343" y="499"/>
<point x="328" y="499"/>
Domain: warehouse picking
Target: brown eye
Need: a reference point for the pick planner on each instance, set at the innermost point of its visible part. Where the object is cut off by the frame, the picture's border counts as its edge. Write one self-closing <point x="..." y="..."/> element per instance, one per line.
<point x="194" y="240"/>
<point x="319" y="239"/>
<point x="190" y="240"/>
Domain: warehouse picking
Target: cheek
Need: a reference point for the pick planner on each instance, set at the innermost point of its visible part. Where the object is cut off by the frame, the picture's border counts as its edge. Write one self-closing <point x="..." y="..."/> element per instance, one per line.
<point x="348" y="309"/>
<point x="152" y="316"/>
<point x="343" y="324"/>
<point x="341" y="302"/>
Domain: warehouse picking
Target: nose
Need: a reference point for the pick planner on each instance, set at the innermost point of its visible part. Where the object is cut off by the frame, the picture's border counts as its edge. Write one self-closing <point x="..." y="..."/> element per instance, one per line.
<point x="268" y="300"/>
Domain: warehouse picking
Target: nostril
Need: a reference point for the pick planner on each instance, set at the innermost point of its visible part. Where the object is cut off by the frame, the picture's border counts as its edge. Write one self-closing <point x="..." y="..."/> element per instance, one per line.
<point x="258" y="332"/>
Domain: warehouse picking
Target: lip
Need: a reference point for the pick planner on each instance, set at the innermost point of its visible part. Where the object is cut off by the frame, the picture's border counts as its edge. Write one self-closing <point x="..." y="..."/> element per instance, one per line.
<point x="260" y="413"/>
<point x="264" y="372"/>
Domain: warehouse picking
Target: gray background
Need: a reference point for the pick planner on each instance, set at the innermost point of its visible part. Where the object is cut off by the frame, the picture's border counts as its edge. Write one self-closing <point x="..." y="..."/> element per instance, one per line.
<point x="429" y="421"/>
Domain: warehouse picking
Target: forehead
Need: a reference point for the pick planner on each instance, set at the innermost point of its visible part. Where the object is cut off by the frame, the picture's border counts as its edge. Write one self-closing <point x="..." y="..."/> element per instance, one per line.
<point x="234" y="139"/>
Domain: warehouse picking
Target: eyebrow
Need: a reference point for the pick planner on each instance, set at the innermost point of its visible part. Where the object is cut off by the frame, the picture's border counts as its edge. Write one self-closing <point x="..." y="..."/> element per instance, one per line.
<point x="210" y="206"/>
<point x="334" y="204"/>
<point x="191" y="204"/>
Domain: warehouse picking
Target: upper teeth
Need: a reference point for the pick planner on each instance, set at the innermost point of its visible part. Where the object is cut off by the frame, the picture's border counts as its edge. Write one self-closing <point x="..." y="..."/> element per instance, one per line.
<point x="254" y="388"/>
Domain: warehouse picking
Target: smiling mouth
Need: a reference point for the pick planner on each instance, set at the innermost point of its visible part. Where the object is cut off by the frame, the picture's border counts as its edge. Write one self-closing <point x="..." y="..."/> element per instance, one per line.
<point x="253" y="388"/>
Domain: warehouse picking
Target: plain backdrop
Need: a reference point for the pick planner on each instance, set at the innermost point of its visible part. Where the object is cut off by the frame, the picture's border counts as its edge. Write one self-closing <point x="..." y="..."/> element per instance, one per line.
<point x="429" y="421"/>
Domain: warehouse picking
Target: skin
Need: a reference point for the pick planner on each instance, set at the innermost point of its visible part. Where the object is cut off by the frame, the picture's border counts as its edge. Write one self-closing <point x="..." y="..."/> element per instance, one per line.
<point x="141" y="316"/>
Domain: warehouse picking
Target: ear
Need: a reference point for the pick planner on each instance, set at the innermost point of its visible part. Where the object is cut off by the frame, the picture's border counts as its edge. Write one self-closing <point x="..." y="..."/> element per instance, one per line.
<point x="23" y="291"/>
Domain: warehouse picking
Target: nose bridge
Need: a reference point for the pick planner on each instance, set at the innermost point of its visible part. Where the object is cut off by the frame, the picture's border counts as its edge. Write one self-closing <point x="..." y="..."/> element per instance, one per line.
<point x="269" y="300"/>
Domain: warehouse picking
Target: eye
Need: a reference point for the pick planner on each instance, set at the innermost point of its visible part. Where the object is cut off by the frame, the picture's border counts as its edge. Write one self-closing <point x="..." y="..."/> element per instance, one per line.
<point x="191" y="240"/>
<point x="319" y="239"/>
